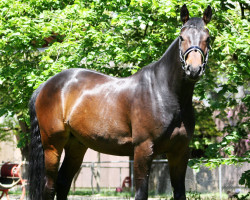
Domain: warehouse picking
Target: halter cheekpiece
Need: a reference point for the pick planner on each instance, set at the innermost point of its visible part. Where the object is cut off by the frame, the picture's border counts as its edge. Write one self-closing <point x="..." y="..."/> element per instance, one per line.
<point x="193" y="48"/>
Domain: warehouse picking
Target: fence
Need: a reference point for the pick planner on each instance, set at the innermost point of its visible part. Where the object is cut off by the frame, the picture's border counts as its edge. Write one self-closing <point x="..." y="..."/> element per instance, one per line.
<point x="219" y="180"/>
<point x="100" y="175"/>
<point x="96" y="175"/>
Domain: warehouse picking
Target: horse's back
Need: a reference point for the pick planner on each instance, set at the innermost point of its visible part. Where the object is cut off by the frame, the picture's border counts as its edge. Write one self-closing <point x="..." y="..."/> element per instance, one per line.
<point x="66" y="87"/>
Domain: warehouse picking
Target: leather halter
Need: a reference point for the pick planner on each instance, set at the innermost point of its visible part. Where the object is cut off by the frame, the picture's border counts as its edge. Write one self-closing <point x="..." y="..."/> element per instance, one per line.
<point x="183" y="56"/>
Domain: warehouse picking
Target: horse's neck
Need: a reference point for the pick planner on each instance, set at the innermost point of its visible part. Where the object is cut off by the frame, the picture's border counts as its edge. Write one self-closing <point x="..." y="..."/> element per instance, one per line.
<point x="169" y="74"/>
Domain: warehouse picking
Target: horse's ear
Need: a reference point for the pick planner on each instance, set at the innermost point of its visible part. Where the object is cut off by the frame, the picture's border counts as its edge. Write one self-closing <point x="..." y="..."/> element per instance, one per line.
<point x="207" y="15"/>
<point x="184" y="14"/>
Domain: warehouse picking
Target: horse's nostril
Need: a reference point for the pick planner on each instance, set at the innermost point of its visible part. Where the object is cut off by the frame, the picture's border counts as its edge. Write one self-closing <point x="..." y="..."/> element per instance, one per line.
<point x="194" y="71"/>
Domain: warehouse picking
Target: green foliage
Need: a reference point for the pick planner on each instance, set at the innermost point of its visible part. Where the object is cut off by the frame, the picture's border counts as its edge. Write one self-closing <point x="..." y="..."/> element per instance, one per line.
<point x="118" y="38"/>
<point x="193" y="195"/>
<point x="245" y="179"/>
<point x="244" y="197"/>
<point x="205" y="128"/>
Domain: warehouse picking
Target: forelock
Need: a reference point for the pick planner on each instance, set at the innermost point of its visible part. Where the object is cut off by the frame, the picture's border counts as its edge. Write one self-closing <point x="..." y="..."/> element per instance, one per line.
<point x="195" y="22"/>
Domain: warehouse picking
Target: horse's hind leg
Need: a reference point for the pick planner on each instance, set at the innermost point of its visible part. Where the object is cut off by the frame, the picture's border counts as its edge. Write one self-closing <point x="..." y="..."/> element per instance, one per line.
<point x="53" y="147"/>
<point x="74" y="152"/>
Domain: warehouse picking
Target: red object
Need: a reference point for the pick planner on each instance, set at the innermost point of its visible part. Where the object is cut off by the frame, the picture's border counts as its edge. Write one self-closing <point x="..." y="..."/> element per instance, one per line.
<point x="10" y="177"/>
<point x="119" y="189"/>
<point x="10" y="170"/>
<point x="126" y="182"/>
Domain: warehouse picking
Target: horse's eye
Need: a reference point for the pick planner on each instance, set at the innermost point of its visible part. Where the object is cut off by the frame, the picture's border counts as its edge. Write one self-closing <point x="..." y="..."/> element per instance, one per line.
<point x="208" y="40"/>
<point x="208" y="43"/>
<point x="181" y="38"/>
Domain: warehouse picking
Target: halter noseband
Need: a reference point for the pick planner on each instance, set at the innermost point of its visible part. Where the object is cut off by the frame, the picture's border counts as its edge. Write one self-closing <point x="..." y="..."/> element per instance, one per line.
<point x="193" y="48"/>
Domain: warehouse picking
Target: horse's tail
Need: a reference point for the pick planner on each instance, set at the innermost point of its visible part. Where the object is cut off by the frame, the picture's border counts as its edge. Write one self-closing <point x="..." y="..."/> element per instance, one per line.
<point x="36" y="173"/>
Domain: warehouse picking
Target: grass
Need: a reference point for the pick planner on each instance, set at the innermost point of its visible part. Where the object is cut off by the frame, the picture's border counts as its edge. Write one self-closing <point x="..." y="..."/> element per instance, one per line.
<point x="104" y="192"/>
<point x="191" y="195"/>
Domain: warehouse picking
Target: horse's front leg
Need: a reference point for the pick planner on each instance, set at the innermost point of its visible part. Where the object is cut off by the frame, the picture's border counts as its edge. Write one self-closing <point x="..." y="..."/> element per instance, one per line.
<point x="177" y="168"/>
<point x="143" y="155"/>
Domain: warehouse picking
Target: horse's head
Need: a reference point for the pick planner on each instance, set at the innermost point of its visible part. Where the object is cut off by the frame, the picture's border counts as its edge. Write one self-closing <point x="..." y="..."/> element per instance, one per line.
<point x="194" y="43"/>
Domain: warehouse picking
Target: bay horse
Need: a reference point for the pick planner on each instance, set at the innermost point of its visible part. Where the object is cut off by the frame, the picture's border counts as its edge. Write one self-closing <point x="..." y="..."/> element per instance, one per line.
<point x="143" y="115"/>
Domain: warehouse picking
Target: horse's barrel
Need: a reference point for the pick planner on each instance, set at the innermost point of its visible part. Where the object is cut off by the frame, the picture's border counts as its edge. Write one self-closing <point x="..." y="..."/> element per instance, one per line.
<point x="9" y="170"/>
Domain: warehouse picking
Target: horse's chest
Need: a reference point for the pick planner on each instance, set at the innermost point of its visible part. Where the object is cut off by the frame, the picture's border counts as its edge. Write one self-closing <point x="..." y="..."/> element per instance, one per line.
<point x="175" y="135"/>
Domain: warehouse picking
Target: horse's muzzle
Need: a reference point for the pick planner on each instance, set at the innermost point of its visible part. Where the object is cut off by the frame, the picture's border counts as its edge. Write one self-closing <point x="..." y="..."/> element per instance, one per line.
<point x="194" y="73"/>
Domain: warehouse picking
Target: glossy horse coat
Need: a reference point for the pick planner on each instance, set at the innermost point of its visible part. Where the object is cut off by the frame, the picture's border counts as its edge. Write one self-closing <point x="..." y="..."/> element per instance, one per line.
<point x="143" y="115"/>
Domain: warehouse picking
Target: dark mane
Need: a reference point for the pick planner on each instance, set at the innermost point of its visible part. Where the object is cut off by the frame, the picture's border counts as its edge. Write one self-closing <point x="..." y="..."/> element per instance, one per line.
<point x="170" y="54"/>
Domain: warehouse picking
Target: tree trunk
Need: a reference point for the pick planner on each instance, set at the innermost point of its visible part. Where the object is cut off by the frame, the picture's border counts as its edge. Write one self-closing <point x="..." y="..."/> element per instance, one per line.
<point x="24" y="146"/>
